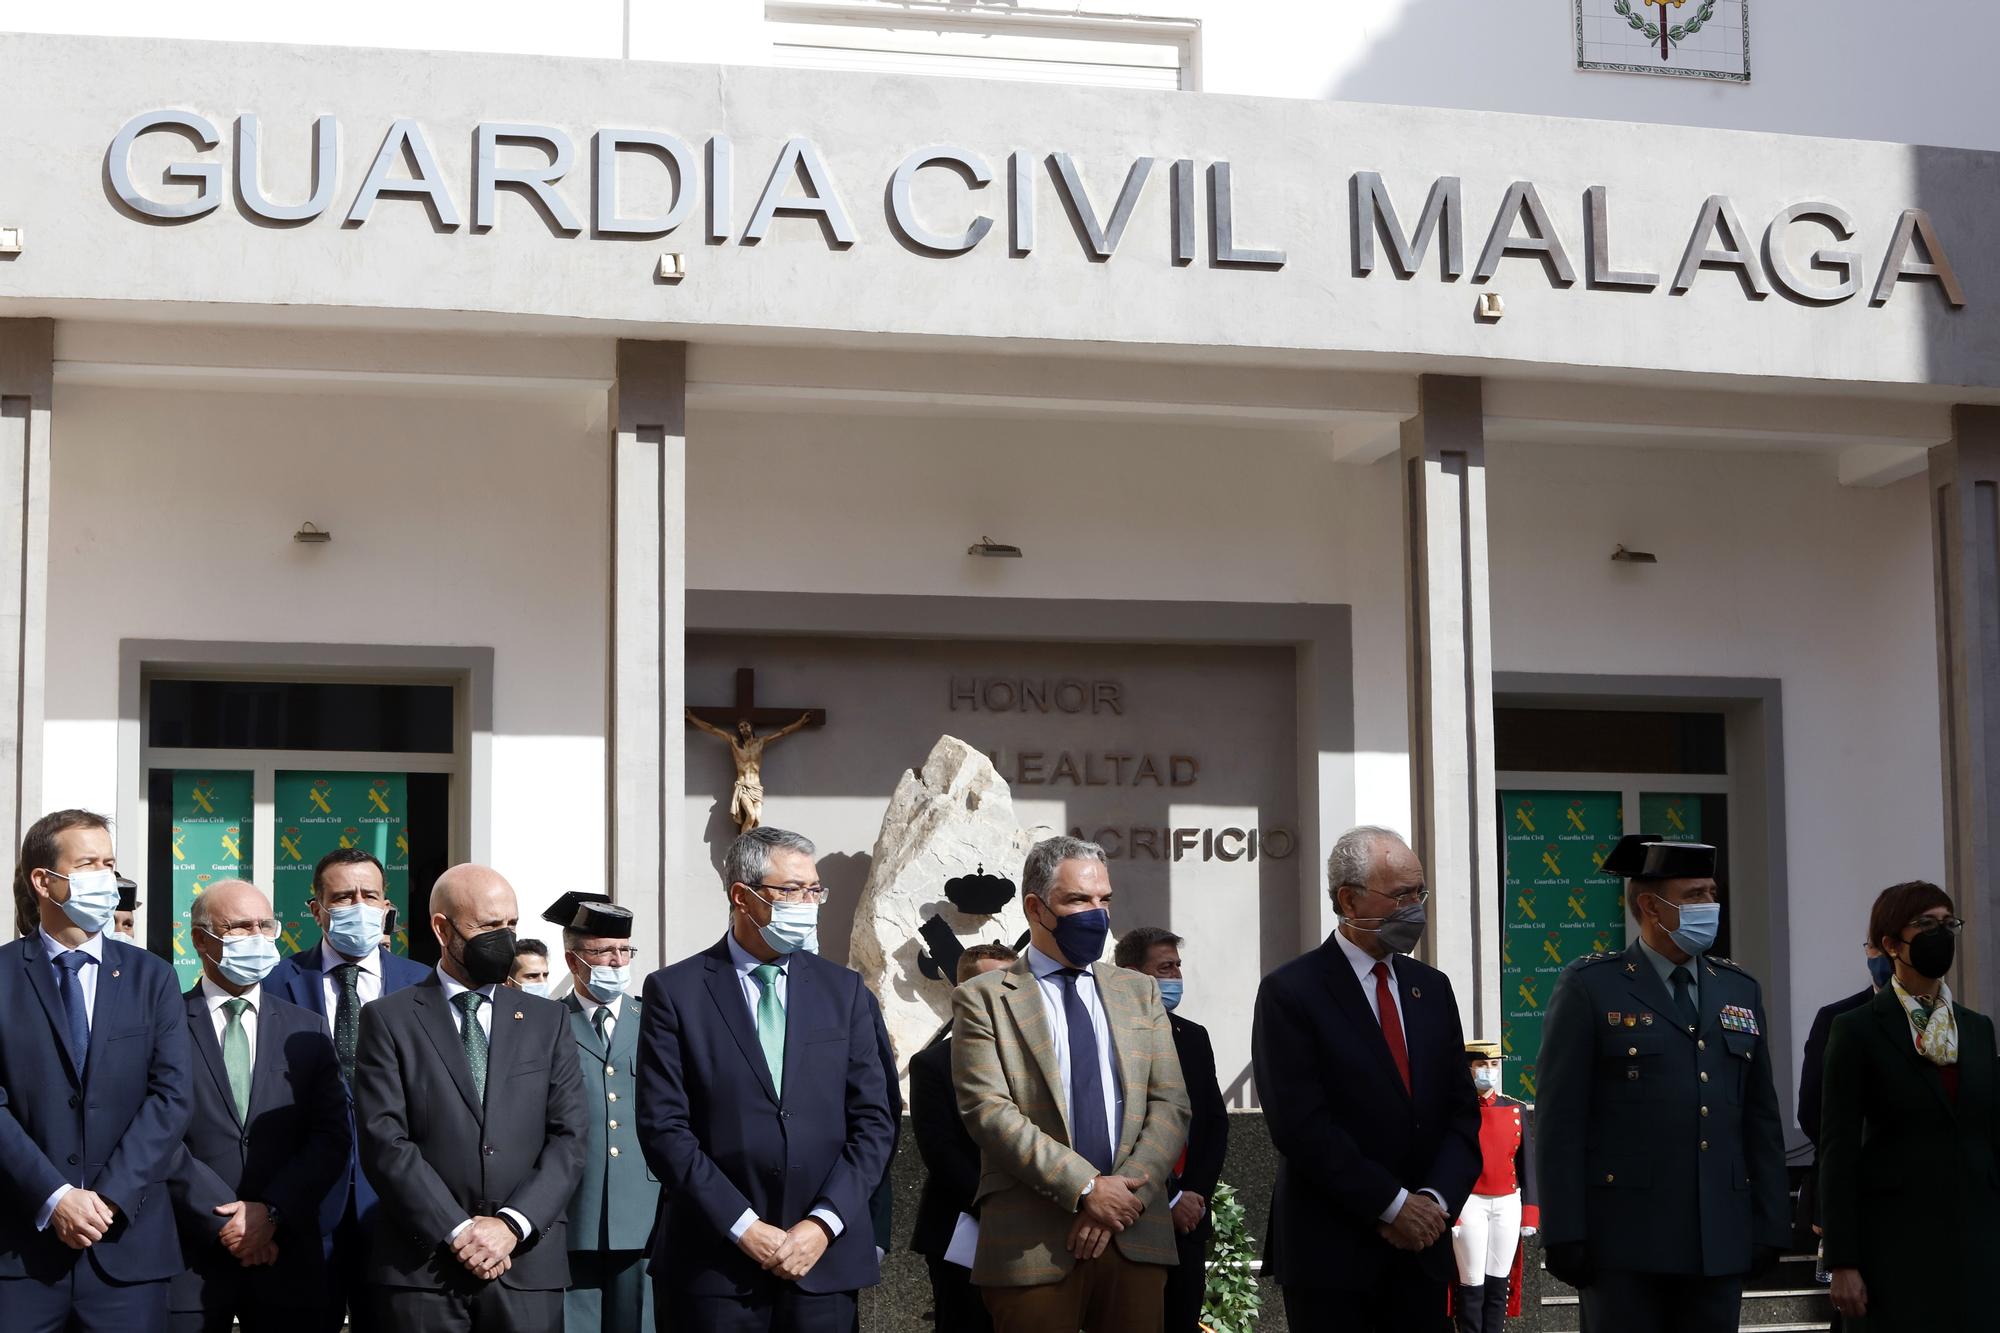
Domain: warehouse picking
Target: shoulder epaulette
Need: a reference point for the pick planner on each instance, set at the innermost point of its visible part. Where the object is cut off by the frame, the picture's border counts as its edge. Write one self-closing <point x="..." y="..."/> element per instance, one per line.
<point x="1592" y="959"/>
<point x="1731" y="964"/>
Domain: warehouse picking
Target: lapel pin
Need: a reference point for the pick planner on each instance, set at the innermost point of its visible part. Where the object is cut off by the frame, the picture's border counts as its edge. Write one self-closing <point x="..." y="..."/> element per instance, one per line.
<point x="519" y="1014"/>
<point x="1416" y="994"/>
<point x="1632" y="968"/>
<point x="114" y="971"/>
<point x="1613" y="1017"/>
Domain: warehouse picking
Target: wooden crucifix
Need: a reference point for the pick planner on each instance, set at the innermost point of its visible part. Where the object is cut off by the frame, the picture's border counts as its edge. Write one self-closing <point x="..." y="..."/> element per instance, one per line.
<point x="737" y="727"/>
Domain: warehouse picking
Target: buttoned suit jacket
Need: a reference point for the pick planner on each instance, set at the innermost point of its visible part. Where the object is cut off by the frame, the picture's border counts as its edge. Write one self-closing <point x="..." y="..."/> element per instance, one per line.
<point x="951" y="1158"/>
<point x="298" y="981"/>
<point x="1662" y="1150"/>
<point x="1208" y="1129"/>
<point x="440" y="1155"/>
<point x="286" y="1153"/>
<point x="1012" y="1098"/>
<point x="617" y="1198"/>
<point x="723" y="1138"/>
<point x="111" y="1126"/>
<point x="1348" y="1131"/>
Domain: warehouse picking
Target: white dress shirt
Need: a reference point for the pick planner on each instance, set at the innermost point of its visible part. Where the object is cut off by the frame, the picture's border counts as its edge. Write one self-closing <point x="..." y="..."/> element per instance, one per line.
<point x="215" y="998"/>
<point x="367" y="982"/>
<point x="1048" y="978"/>
<point x="591" y="1006"/>
<point x="452" y="990"/>
<point x="86" y="977"/>
<point x="746" y="963"/>
<point x="1363" y="964"/>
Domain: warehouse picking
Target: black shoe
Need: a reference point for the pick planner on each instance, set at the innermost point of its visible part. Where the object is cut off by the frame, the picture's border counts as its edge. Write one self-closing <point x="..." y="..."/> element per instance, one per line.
<point x="1471" y="1307"/>
<point x="1496" y="1305"/>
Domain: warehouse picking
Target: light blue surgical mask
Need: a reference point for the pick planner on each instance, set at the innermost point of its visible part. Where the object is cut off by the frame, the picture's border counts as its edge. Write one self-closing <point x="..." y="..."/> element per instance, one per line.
<point x="93" y="897"/>
<point x="355" y="930"/>
<point x="1698" y="923"/>
<point x="121" y="937"/>
<point x="1170" y="992"/>
<point x="246" y="959"/>
<point x="792" y="927"/>
<point x="1486" y="1080"/>
<point x="608" y="983"/>
<point x="540" y="988"/>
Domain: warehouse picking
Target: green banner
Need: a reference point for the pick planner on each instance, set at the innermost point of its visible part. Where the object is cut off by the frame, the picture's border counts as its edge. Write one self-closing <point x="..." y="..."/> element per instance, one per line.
<point x="318" y="811"/>
<point x="1674" y="816"/>
<point x="1560" y="905"/>
<point x="212" y="819"/>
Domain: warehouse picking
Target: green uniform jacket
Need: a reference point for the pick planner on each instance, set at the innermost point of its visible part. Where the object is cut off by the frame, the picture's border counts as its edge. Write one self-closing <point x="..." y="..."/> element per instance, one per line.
<point x="1908" y="1186"/>
<point x="1660" y="1148"/>
<point x="615" y="1201"/>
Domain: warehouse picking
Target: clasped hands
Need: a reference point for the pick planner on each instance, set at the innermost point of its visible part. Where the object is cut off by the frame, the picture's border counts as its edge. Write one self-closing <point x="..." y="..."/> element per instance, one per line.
<point x="486" y="1247"/>
<point x="248" y="1233"/>
<point x="81" y="1218"/>
<point x="1112" y="1205"/>
<point x="1418" y="1226"/>
<point x="786" y="1254"/>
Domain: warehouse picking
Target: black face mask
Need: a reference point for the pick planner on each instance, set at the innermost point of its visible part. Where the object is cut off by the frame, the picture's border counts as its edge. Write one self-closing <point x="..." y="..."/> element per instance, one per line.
<point x="487" y="958"/>
<point x="1931" y="952"/>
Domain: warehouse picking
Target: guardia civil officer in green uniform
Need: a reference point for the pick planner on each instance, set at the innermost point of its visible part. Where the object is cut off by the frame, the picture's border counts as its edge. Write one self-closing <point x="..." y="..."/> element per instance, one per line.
<point x="611" y="1214"/>
<point x="1662" y="1158"/>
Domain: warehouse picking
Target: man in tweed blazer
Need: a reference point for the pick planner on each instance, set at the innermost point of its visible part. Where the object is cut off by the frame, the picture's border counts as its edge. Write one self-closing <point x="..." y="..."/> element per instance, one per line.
<point x="1068" y="1082"/>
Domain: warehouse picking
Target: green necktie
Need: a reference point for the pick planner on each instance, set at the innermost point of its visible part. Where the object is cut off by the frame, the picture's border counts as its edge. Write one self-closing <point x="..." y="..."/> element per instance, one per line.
<point x="598" y="1020"/>
<point x="771" y="1023"/>
<point x="474" y="1037"/>
<point x="236" y="1056"/>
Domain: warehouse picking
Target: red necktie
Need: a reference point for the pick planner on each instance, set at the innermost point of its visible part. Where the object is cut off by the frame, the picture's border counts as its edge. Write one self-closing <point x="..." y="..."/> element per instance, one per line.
<point x="1392" y="1023"/>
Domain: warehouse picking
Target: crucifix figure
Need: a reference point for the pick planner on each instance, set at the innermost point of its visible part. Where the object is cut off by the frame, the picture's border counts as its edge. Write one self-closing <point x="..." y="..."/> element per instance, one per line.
<point x="737" y="728"/>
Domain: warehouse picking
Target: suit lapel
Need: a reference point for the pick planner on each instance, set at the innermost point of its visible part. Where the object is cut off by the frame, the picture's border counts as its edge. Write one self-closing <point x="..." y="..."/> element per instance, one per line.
<point x="201" y="1032"/>
<point x="1345" y="987"/>
<point x="1121" y="1020"/>
<point x="503" y="1036"/>
<point x="437" y="1025"/>
<point x="624" y="1051"/>
<point x="583" y="1032"/>
<point x="1031" y="1019"/>
<point x="313" y="981"/>
<point x="42" y="980"/>
<point x="802" y="993"/>
<point x="1709" y="1006"/>
<point x="1642" y="981"/>
<point x="268" y="1064"/>
<point x="1416" y="1021"/>
<point x="114" y="995"/>
<point x="727" y="993"/>
<point x="1894" y="1024"/>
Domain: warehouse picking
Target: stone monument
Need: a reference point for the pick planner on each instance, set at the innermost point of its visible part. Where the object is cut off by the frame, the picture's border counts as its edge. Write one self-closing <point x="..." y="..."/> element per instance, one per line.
<point x="945" y="821"/>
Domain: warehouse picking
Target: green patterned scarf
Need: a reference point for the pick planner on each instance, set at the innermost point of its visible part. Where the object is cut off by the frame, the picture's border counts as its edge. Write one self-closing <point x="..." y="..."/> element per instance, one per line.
<point x="1936" y="1031"/>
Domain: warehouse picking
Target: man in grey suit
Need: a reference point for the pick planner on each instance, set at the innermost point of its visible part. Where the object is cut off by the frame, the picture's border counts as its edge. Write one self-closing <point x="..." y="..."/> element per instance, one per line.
<point x="611" y="1214"/>
<point x="470" y="1106"/>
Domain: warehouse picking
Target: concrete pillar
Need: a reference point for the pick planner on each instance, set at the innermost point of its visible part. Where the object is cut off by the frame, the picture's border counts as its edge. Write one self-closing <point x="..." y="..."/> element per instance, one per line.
<point x="648" y="415"/>
<point x="1451" y="689"/>
<point x="27" y="366"/>
<point x="1965" y="548"/>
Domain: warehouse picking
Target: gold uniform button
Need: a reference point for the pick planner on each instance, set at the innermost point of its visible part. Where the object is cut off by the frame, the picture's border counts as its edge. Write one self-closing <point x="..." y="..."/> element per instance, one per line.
<point x="1631" y="1050"/>
<point x="614" y="1096"/>
<point x="1609" y="1178"/>
<point x="609" y="1071"/>
<point x="614" y="1149"/>
<point x="1704" y="1076"/>
<point x="1704" y="1111"/>
<point x="1701" y="1045"/>
<point x="1704" y="1145"/>
<point x="614" y="1124"/>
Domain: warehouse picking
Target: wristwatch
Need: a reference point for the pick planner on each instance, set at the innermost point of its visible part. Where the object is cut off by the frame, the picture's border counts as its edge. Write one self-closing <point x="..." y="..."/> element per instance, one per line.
<point x="1086" y="1193"/>
<point x="271" y="1211"/>
<point x="513" y="1225"/>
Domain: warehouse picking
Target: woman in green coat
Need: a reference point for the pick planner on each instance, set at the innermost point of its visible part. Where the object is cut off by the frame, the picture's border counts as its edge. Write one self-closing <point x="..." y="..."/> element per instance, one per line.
<point x="1910" y="1137"/>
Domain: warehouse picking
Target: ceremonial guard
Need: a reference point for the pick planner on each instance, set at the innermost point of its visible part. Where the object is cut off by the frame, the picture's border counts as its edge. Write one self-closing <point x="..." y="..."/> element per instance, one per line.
<point x="1662" y="1164"/>
<point x="1501" y="1209"/>
<point x="611" y="1214"/>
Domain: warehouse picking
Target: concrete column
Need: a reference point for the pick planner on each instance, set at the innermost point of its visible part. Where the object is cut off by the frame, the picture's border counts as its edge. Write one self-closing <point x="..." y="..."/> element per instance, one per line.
<point x="27" y="364"/>
<point x="1451" y="689"/>
<point x="1965" y="547"/>
<point x="648" y="415"/>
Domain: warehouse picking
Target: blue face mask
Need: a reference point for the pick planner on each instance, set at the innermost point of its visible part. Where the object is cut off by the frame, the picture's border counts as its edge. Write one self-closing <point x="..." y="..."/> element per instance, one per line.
<point x="93" y="897"/>
<point x="1486" y="1079"/>
<point x="1881" y="970"/>
<point x="247" y="960"/>
<point x="540" y="988"/>
<point x="1080" y="936"/>
<point x="1170" y="993"/>
<point x="1699" y="922"/>
<point x="355" y="930"/>
<point x="608" y="983"/>
<point x="792" y="927"/>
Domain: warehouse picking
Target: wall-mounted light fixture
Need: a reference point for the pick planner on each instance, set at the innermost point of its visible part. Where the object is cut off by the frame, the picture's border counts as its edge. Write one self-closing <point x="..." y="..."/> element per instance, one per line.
<point x="1625" y="557"/>
<point x="11" y="241"/>
<point x="993" y="550"/>
<point x="1491" y="306"/>
<point x="673" y="267"/>
<point x="311" y="534"/>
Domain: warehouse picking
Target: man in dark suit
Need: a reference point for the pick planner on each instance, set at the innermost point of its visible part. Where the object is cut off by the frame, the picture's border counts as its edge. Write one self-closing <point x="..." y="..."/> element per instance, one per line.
<point x="951" y="1168"/>
<point x="1662" y="1149"/>
<point x="1157" y="953"/>
<point x="268" y="1137"/>
<point x="1812" y="1069"/>
<point x="611" y="1214"/>
<point x="470" y="1104"/>
<point x="350" y="968"/>
<point x="763" y="1108"/>
<point x="93" y="1098"/>
<point x="1360" y="1063"/>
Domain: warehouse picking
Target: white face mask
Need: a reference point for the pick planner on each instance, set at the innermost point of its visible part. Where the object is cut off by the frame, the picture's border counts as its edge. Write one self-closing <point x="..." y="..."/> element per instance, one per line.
<point x="540" y="988"/>
<point x="1486" y="1079"/>
<point x="608" y="983"/>
<point x="93" y="897"/>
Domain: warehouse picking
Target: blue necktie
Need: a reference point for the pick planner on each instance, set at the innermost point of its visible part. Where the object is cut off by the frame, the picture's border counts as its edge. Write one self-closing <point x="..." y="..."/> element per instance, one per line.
<point x="1088" y="1133"/>
<point x="69" y="989"/>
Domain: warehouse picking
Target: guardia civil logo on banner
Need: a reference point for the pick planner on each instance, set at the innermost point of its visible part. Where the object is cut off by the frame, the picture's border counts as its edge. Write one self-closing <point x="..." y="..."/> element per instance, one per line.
<point x="208" y="840"/>
<point x="318" y="812"/>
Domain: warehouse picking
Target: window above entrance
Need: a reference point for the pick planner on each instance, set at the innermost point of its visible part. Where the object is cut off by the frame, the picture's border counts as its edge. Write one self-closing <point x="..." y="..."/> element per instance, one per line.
<point x="299" y="715"/>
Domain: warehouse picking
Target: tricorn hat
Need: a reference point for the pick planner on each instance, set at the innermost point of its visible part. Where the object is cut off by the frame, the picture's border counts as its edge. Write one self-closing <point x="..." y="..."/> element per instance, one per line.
<point x="1629" y="854"/>
<point x="128" y="895"/>
<point x="1677" y="860"/>
<point x="591" y="914"/>
<point x="1482" y="1050"/>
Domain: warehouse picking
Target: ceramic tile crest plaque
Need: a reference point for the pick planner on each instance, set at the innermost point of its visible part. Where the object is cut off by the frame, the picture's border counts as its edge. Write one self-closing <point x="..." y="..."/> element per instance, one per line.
<point x="1690" y="39"/>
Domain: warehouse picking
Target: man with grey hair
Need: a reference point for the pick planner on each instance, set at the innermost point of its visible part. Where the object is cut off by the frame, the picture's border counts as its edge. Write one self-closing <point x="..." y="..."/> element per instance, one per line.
<point x="1068" y="1082"/>
<point x="1360" y="1064"/>
<point x="764" y="1110"/>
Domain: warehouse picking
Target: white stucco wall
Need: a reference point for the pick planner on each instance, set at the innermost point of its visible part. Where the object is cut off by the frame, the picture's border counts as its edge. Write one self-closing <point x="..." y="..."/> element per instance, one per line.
<point x="1767" y="569"/>
<point x="1924" y="85"/>
<point x="455" y="522"/>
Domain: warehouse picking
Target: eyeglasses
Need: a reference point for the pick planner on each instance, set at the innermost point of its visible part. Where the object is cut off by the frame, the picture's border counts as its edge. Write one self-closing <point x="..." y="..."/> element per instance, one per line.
<point x="795" y="893"/>
<point x="1925" y="925"/>
<point x="610" y="953"/>
<point x="1403" y="899"/>
<point x="243" y="930"/>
